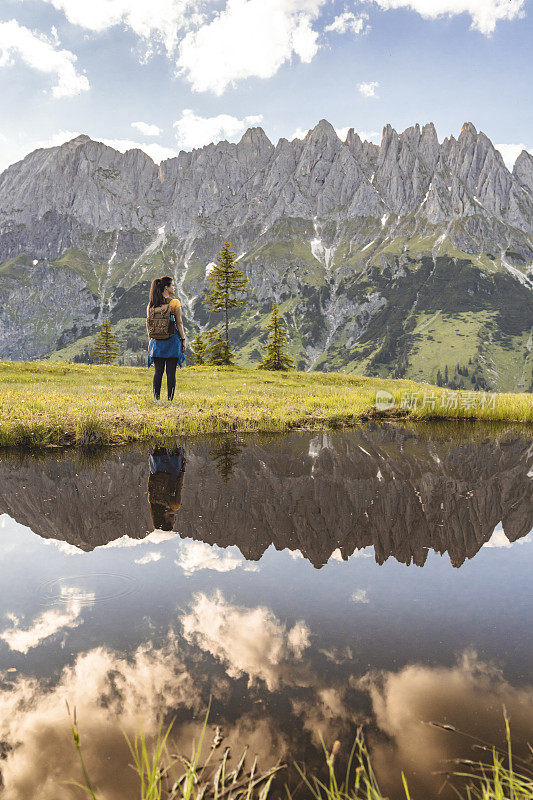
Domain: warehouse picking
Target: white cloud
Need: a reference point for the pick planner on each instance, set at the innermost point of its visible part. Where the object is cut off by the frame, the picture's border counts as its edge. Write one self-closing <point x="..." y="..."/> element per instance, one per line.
<point x="360" y="596"/>
<point x="299" y="133"/>
<point x="249" y="38"/>
<point x="298" y="638"/>
<point x="157" y="152"/>
<point x="368" y="89"/>
<point x="42" y="54"/>
<point x="370" y="136"/>
<point x="108" y="692"/>
<point x="160" y="20"/>
<point x="63" y="547"/>
<point x="148" y="558"/>
<point x="365" y="552"/>
<point x="156" y="537"/>
<point x="249" y="641"/>
<point x="342" y="133"/>
<point x="48" y="623"/>
<point x="193" y="556"/>
<point x="510" y="153"/>
<point x="57" y="139"/>
<point x="295" y="554"/>
<point x="499" y="539"/>
<point x="146" y="128"/>
<point x="195" y="131"/>
<point x="470" y="696"/>
<point x="348" y="21"/>
<point x="485" y="14"/>
<point x="213" y="47"/>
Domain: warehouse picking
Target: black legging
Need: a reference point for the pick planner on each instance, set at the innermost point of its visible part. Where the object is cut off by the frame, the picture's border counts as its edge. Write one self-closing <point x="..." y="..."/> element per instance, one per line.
<point x="160" y="364"/>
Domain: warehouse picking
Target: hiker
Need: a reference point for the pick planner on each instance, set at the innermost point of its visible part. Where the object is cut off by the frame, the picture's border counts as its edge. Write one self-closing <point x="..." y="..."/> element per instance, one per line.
<point x="165" y="483"/>
<point x="167" y="345"/>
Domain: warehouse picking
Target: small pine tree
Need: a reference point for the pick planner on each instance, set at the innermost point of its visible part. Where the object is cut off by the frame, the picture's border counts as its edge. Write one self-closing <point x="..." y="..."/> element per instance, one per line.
<point x="439" y="378"/>
<point x="446" y="376"/>
<point x="105" y="349"/>
<point x="227" y="285"/>
<point x="275" y="354"/>
<point x="225" y="454"/>
<point x="199" y="349"/>
<point x="219" y="352"/>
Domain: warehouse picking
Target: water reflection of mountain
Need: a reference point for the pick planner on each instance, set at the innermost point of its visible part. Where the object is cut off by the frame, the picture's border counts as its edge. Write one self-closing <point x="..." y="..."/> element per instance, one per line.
<point x="400" y="491"/>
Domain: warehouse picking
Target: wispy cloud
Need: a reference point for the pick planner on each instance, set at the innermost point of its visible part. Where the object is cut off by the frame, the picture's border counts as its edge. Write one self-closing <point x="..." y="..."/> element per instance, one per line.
<point x="510" y="153"/>
<point x="349" y="22"/>
<point x="149" y="558"/>
<point x="485" y="14"/>
<point x="48" y="623"/>
<point x="193" y="130"/>
<point x="43" y="54"/>
<point x="155" y="537"/>
<point x="194" y="556"/>
<point x="146" y="128"/>
<point x="368" y="89"/>
<point x="157" y="152"/>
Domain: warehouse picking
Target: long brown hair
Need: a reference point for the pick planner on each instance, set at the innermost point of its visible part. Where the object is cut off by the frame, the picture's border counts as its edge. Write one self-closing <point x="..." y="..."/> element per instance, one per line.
<point x="156" y="291"/>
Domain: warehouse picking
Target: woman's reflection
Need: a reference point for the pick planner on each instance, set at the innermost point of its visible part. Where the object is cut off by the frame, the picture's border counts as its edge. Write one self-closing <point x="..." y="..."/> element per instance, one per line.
<point x="164" y="486"/>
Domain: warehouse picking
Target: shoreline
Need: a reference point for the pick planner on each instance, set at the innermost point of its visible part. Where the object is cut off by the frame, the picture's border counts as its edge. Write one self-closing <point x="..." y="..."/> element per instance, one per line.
<point x="46" y="404"/>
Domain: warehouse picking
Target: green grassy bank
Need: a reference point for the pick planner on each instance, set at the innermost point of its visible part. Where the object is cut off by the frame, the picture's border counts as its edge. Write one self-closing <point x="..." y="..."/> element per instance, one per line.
<point x="44" y="403"/>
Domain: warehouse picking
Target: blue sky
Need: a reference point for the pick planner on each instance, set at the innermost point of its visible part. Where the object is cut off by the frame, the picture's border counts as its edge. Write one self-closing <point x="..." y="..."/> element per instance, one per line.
<point x="193" y="71"/>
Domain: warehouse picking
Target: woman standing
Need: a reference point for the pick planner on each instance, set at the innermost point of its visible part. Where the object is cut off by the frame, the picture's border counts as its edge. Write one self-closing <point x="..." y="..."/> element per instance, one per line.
<point x="168" y="349"/>
<point x="165" y="484"/>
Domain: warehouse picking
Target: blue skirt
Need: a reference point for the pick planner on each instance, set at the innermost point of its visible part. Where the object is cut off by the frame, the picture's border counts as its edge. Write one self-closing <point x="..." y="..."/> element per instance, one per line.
<point x="173" y="464"/>
<point x="166" y="348"/>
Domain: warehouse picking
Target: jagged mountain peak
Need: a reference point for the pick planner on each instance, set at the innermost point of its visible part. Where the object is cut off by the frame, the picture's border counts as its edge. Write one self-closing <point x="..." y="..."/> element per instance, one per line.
<point x="468" y="129"/>
<point x="388" y="133"/>
<point x="310" y="218"/>
<point x="523" y="170"/>
<point x="353" y="136"/>
<point x="323" y="130"/>
<point x="401" y="171"/>
<point x="256" y="136"/>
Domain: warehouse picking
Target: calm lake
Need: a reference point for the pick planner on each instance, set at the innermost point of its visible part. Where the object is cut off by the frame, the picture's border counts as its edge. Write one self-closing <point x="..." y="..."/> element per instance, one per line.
<point x="307" y="583"/>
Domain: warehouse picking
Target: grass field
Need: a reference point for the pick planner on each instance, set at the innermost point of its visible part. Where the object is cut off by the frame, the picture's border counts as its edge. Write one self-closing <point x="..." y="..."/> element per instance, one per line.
<point x="48" y="403"/>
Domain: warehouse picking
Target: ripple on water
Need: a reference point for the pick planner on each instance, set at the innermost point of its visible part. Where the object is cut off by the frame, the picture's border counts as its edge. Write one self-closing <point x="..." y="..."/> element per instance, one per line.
<point x="87" y="589"/>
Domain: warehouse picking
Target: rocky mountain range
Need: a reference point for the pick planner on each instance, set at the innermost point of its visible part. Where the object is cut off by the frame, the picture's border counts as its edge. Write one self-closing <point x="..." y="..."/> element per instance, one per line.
<point x="400" y="491"/>
<point x="404" y="258"/>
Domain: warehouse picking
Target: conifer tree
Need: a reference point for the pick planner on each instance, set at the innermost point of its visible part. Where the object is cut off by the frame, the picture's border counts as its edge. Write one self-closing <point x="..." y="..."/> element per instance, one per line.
<point x="226" y="454"/>
<point x="227" y="285"/>
<point x="199" y="349"/>
<point x="276" y="356"/>
<point x="219" y="352"/>
<point x="105" y="349"/>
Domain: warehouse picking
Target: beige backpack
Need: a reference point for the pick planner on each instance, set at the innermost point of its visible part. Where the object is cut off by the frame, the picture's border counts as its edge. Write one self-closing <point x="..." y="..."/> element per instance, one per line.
<point x="158" y="322"/>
